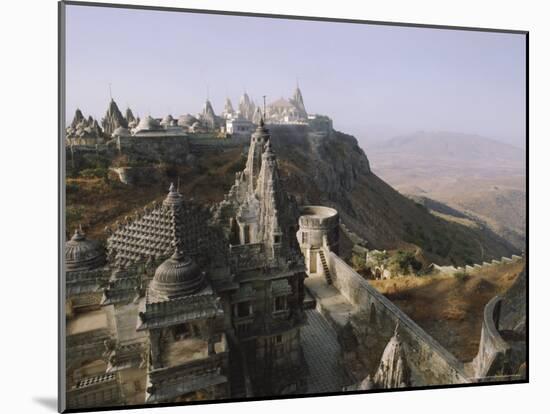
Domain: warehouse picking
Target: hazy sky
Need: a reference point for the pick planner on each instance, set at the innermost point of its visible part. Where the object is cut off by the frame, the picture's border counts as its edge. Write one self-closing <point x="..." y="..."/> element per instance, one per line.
<point x="372" y="80"/>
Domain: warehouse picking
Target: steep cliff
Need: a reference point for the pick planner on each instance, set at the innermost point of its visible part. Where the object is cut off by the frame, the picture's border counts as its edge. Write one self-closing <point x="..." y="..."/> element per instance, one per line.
<point x="332" y="169"/>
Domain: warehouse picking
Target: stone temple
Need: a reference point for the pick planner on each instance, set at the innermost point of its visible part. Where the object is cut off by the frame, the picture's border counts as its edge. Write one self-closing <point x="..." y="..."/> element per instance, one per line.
<point x="249" y="298"/>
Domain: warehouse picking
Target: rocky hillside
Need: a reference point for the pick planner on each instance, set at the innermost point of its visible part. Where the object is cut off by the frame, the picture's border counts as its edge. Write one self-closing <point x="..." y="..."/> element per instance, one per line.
<point x="334" y="170"/>
<point x="478" y="176"/>
<point x="318" y="168"/>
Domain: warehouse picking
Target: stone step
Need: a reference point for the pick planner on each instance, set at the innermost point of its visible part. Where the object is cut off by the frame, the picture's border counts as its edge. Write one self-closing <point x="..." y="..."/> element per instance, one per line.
<point x="326" y="269"/>
<point x="309" y="300"/>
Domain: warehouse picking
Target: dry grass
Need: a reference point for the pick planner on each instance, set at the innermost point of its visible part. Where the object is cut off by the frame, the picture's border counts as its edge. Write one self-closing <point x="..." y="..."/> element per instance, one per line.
<point x="450" y="308"/>
<point x="95" y="203"/>
<point x="463" y="221"/>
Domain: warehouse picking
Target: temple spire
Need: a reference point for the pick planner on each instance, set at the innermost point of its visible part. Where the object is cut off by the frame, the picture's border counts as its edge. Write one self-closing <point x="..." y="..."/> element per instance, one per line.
<point x="393" y="371"/>
<point x="174" y="198"/>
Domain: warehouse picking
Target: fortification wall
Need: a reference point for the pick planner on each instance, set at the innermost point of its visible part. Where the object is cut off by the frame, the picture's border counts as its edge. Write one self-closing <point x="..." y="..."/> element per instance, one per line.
<point x="432" y="363"/>
<point x="475" y="267"/>
<point x="354" y="237"/>
<point x="171" y="149"/>
<point x="198" y="145"/>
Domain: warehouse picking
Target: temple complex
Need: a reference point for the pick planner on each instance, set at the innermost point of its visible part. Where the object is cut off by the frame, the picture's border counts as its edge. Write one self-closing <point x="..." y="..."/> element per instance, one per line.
<point x="187" y="292"/>
<point x="247" y="297"/>
<point x="83" y="131"/>
<point x="113" y="119"/>
<point x="239" y="123"/>
<point x="287" y="111"/>
<point x="247" y="107"/>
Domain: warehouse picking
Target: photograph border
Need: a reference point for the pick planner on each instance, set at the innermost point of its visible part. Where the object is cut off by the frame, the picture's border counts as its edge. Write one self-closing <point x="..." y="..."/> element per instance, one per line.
<point x="61" y="199"/>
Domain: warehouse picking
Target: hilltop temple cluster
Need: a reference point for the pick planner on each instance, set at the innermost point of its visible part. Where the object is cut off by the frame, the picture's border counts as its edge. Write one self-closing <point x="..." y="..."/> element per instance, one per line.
<point x="239" y="122"/>
<point x="248" y="297"/>
<point x="191" y="303"/>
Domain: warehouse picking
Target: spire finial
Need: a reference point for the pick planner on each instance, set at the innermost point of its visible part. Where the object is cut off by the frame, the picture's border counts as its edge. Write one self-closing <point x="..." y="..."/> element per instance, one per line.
<point x="396" y="330"/>
<point x="78" y="233"/>
<point x="263" y="96"/>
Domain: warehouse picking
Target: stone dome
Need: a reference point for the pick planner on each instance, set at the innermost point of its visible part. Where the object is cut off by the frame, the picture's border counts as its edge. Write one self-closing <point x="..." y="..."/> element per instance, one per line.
<point x="167" y="120"/>
<point x="187" y="120"/>
<point x="148" y="124"/>
<point x="177" y="276"/>
<point x="82" y="254"/>
<point x="121" y="132"/>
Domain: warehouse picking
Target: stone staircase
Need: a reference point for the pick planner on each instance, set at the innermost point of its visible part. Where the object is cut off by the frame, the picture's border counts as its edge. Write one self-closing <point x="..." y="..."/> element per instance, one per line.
<point x="326" y="270"/>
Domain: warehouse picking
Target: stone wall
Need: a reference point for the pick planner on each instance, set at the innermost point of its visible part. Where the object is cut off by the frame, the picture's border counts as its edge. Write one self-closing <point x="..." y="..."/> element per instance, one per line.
<point x="354" y="237"/>
<point x="170" y="149"/>
<point x="198" y="145"/>
<point x="429" y="361"/>
<point x="493" y="349"/>
<point x="469" y="269"/>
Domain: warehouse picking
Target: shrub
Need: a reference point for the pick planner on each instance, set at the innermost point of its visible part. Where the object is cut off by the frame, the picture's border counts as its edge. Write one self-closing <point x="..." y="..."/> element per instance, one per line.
<point x="71" y="188"/>
<point x="74" y="215"/>
<point x="378" y="256"/>
<point x="94" y="173"/>
<point x="358" y="262"/>
<point x="405" y="262"/>
<point x="461" y="276"/>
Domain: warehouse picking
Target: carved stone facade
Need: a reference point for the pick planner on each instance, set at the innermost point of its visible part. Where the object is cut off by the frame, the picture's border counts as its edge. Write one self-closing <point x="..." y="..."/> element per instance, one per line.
<point x="83" y="131"/>
<point x="260" y="220"/>
<point x="113" y="119"/>
<point x="189" y="292"/>
<point x="287" y="111"/>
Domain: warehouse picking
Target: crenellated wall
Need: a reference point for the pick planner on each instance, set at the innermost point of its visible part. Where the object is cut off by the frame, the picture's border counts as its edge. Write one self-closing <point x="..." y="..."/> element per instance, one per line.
<point x="484" y="265"/>
<point x="430" y="362"/>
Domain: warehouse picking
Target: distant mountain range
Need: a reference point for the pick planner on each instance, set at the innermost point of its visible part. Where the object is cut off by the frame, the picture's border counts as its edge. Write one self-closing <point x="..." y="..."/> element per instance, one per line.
<point x="442" y="147"/>
<point x="481" y="177"/>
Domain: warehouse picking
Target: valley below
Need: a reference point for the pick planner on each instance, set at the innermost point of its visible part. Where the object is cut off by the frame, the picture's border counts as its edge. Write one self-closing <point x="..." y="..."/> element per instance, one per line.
<point x="459" y="177"/>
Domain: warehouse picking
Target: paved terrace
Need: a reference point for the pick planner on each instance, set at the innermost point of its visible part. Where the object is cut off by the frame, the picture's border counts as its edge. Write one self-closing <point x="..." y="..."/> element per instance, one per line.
<point x="322" y="352"/>
<point x="332" y="303"/>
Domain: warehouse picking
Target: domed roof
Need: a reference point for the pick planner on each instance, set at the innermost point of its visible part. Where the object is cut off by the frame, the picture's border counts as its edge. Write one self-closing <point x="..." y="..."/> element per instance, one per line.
<point x="148" y="124"/>
<point x="82" y="254"/>
<point x="187" y="120"/>
<point x="177" y="276"/>
<point x="121" y="132"/>
<point x="281" y="103"/>
<point x="167" y="120"/>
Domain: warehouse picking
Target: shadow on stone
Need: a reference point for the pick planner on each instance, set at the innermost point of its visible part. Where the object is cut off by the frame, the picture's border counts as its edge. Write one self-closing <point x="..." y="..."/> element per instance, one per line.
<point x="48" y="402"/>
